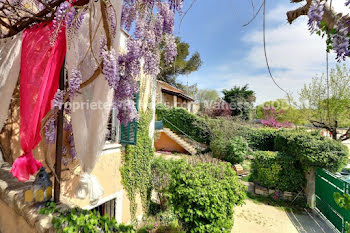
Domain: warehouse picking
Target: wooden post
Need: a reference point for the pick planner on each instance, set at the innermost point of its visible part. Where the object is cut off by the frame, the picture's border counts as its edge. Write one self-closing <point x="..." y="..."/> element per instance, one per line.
<point x="59" y="142"/>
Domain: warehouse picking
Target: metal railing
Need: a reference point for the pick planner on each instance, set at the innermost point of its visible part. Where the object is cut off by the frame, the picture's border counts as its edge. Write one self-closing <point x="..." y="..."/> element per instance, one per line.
<point x="197" y="146"/>
<point x="326" y="184"/>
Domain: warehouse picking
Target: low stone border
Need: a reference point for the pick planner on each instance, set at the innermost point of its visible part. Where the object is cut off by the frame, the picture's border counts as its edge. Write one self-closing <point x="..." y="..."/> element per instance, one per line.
<point x="259" y="190"/>
<point x="12" y="193"/>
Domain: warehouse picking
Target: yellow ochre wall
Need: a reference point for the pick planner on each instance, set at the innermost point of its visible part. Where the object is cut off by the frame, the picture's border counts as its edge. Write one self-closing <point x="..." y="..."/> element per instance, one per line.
<point x="164" y="143"/>
<point x="11" y="222"/>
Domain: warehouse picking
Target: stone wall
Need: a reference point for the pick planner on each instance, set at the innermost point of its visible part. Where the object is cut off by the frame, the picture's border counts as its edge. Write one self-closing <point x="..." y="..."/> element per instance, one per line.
<point x="17" y="215"/>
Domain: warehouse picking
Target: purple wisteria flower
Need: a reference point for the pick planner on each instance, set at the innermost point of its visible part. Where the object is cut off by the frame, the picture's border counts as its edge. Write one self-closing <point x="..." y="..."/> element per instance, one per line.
<point x="67" y="126"/>
<point x="74" y="82"/>
<point x="71" y="142"/>
<point x="168" y="15"/>
<point x="341" y="41"/>
<point x="70" y="17"/>
<point x="64" y="150"/>
<point x="73" y="152"/>
<point x="315" y="14"/>
<point x="128" y="16"/>
<point x="151" y="65"/>
<point x="110" y="68"/>
<point x="126" y="89"/>
<point x="60" y="14"/>
<point x="57" y="101"/>
<point x="112" y="23"/>
<point x="79" y="20"/>
<point x="170" y="50"/>
<point x="126" y="111"/>
<point x="159" y="26"/>
<point x="153" y="25"/>
<point x="50" y="131"/>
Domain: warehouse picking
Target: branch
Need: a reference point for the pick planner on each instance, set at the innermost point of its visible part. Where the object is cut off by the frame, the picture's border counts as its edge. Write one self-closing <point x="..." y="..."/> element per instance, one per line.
<point x="322" y="125"/>
<point x="329" y="17"/>
<point x="39" y="17"/>
<point x="294" y="14"/>
<point x="105" y="24"/>
<point x="345" y="136"/>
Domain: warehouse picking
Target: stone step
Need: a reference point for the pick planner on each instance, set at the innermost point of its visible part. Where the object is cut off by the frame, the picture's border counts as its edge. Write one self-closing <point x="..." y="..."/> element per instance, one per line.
<point x="180" y="141"/>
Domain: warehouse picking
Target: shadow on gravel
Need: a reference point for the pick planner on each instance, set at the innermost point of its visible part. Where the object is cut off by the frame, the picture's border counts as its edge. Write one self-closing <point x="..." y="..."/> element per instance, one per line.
<point x="309" y="222"/>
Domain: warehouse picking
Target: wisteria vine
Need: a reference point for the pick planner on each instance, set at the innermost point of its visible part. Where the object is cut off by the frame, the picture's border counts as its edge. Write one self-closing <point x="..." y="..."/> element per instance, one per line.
<point x="338" y="37"/>
<point x="150" y="24"/>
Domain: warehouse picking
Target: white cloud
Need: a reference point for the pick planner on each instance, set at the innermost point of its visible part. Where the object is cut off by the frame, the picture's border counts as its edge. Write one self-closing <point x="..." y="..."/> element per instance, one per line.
<point x="295" y="56"/>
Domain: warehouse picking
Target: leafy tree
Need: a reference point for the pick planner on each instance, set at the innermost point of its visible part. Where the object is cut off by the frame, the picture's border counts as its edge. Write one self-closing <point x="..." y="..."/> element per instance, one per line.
<point x="190" y="90"/>
<point x="241" y="101"/>
<point x="327" y="104"/>
<point x="182" y="65"/>
<point x="206" y="97"/>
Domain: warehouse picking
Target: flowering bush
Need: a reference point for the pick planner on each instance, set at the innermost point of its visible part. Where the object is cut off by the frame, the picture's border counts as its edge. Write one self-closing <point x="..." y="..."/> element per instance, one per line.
<point x="270" y="118"/>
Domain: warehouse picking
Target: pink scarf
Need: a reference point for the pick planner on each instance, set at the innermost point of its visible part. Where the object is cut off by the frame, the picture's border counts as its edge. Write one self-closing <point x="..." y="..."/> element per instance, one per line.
<point x="39" y="76"/>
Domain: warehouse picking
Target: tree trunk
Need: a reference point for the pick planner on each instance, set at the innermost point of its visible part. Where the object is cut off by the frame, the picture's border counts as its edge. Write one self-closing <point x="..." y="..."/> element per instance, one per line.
<point x="310" y="187"/>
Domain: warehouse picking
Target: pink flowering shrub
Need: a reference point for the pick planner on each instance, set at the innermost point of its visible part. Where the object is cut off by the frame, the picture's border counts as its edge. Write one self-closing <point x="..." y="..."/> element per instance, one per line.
<point x="271" y="116"/>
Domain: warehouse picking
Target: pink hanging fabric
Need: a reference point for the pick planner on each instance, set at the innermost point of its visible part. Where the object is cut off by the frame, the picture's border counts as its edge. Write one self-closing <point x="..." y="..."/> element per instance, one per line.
<point x="40" y="69"/>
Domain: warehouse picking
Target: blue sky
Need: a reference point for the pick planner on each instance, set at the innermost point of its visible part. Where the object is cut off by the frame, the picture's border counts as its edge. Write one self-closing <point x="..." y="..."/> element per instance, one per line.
<point x="233" y="55"/>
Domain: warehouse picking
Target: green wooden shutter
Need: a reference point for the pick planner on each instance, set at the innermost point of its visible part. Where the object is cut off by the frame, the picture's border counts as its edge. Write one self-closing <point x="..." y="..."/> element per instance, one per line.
<point x="128" y="132"/>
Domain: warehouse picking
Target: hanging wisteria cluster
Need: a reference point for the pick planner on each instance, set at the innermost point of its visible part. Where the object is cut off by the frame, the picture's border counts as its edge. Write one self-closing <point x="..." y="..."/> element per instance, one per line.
<point x="68" y="16"/>
<point x="315" y="14"/>
<point x="151" y="24"/>
<point x="154" y="27"/>
<point x="58" y="104"/>
<point x="338" y="39"/>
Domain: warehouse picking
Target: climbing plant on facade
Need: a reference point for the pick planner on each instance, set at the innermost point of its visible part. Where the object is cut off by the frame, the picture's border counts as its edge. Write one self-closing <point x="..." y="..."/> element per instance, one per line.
<point x="136" y="170"/>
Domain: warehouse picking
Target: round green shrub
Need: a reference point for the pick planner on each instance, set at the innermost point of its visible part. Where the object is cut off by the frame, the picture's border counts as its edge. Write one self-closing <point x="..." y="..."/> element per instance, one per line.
<point x="203" y="195"/>
<point x="218" y="147"/>
<point x="276" y="170"/>
<point x="234" y="150"/>
<point x="237" y="150"/>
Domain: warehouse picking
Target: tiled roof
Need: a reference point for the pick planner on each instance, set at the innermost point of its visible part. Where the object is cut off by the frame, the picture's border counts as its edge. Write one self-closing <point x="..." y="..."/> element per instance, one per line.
<point x="168" y="88"/>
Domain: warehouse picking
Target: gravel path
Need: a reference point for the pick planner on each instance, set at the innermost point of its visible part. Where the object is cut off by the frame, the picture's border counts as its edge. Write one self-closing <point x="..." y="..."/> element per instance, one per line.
<point x="260" y="218"/>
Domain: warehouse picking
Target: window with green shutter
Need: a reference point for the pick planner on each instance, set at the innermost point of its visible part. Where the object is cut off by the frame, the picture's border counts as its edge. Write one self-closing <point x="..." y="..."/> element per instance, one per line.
<point x="128" y="132"/>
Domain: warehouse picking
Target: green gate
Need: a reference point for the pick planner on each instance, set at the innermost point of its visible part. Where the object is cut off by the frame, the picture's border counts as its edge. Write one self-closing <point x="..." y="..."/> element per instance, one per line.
<point x="326" y="185"/>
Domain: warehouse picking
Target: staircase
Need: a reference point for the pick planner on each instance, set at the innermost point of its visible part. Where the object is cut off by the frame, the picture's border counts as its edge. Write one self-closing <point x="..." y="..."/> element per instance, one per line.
<point x="189" y="148"/>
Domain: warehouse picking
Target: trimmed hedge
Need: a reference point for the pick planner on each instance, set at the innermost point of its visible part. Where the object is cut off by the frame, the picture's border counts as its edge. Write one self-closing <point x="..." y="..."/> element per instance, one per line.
<point x="202" y="195"/>
<point x="187" y="122"/>
<point x="259" y="138"/>
<point x="312" y="150"/>
<point x="276" y="170"/>
<point x="309" y="148"/>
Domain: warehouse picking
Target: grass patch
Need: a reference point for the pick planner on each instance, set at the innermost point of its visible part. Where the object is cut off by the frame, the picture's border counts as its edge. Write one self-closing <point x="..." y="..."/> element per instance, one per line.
<point x="247" y="178"/>
<point x="247" y="165"/>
